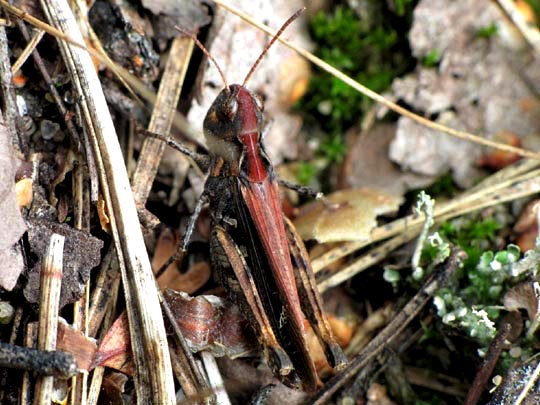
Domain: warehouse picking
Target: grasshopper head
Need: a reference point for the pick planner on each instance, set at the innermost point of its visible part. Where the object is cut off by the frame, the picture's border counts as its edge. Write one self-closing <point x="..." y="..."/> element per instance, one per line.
<point x="235" y="113"/>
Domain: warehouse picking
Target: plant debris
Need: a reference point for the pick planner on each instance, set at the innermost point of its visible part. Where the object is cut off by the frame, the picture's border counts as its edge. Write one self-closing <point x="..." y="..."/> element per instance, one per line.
<point x="81" y="254"/>
<point x="432" y="305"/>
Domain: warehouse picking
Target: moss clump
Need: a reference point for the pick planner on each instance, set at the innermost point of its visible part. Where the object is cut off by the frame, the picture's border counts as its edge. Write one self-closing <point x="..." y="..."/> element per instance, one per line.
<point x="372" y="49"/>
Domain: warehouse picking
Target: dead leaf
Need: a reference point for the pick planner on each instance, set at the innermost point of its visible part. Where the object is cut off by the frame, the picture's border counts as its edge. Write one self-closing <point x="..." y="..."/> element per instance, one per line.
<point x="114" y="351"/>
<point x="526" y="227"/>
<point x="12" y="222"/>
<point x="524" y="296"/>
<point x="113" y="389"/>
<point x="75" y="342"/>
<point x="350" y="217"/>
<point x="367" y="163"/>
<point x="192" y="280"/>
<point x="81" y="254"/>
<point x="211" y="323"/>
<point x="497" y="159"/>
<point x="103" y="215"/>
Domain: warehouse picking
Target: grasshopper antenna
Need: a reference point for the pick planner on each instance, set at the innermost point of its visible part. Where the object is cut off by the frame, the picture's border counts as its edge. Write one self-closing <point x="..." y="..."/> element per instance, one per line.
<point x="274" y="38"/>
<point x="205" y="51"/>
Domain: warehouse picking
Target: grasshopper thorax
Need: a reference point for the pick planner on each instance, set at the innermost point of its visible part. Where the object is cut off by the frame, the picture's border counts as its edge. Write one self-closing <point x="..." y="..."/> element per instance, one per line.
<point x="232" y="129"/>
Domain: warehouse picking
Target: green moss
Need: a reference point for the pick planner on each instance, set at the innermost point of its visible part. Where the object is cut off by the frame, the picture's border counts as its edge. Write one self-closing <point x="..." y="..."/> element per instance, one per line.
<point x="432" y="58"/>
<point x="474" y="235"/>
<point x="487" y="31"/>
<point x="306" y="172"/>
<point x="371" y="50"/>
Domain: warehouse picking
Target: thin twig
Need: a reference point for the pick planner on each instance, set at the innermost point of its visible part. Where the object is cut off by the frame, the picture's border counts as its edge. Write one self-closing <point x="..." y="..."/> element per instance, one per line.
<point x="516" y="17"/>
<point x="47" y="363"/>
<point x="491" y="358"/>
<point x="394" y="328"/>
<point x="27" y="51"/>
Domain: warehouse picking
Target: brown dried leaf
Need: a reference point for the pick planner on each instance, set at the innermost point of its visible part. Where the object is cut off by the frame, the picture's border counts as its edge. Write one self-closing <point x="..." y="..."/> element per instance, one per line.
<point x="103" y="215"/>
<point x="527" y="219"/>
<point x="497" y="159"/>
<point x="351" y="216"/>
<point x="82" y="347"/>
<point x="211" y="323"/>
<point x="196" y="276"/>
<point x="367" y="163"/>
<point x="113" y="389"/>
<point x="81" y="254"/>
<point x="114" y="351"/>
<point x="526" y="227"/>
<point x="12" y="222"/>
<point x="524" y="296"/>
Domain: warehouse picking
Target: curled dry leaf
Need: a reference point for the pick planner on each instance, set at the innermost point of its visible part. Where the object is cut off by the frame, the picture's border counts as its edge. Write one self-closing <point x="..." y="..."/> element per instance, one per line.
<point x="72" y="341"/>
<point x="104" y="220"/>
<point x="350" y="216"/>
<point x="113" y="389"/>
<point x="524" y="296"/>
<point x="114" y="351"/>
<point x="497" y="159"/>
<point x="81" y="254"/>
<point x="211" y="323"/>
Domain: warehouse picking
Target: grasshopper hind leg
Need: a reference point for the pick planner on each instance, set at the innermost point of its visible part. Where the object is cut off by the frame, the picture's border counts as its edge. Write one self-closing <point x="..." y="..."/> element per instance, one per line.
<point x="239" y="283"/>
<point x="311" y="300"/>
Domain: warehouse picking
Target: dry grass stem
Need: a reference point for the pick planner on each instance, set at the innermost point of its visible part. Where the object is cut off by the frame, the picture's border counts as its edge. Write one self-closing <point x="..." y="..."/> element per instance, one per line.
<point x="153" y="379"/>
<point x="27" y="51"/>
<point x="51" y="284"/>
<point x="162" y="118"/>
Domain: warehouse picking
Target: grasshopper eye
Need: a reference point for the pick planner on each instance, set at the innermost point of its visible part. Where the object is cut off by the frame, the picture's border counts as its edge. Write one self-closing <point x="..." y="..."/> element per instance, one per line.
<point x="228" y="109"/>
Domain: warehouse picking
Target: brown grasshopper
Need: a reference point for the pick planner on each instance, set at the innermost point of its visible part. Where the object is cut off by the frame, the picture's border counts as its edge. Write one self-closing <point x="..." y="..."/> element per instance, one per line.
<point x="261" y="260"/>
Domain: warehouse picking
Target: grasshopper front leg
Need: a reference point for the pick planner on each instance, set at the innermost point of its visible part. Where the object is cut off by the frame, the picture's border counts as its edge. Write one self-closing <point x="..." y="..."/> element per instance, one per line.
<point x="310" y="298"/>
<point x="238" y="280"/>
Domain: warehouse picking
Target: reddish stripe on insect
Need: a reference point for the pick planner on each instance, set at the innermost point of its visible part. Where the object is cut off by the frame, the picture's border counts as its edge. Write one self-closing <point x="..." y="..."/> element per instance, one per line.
<point x="250" y="134"/>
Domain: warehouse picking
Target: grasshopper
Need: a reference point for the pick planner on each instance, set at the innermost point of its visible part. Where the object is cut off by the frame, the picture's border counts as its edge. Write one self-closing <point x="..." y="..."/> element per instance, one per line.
<point x="261" y="260"/>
